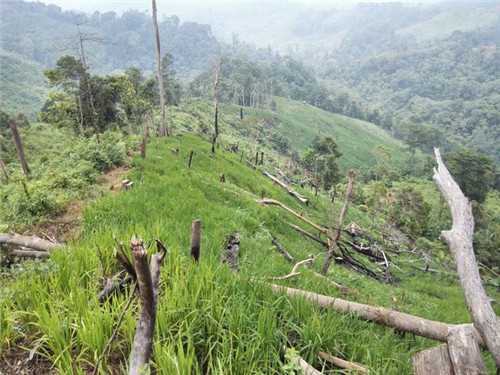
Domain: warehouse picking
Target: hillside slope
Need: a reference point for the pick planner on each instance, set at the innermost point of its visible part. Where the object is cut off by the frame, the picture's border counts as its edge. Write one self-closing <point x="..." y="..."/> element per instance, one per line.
<point x="209" y="320"/>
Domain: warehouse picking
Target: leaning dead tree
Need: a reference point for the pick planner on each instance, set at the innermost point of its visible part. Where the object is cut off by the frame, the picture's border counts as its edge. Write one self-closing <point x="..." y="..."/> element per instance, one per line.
<point x="19" y="147"/>
<point x="148" y="280"/>
<point x="163" y="130"/>
<point x="334" y="239"/>
<point x="216" y="104"/>
<point x="459" y="240"/>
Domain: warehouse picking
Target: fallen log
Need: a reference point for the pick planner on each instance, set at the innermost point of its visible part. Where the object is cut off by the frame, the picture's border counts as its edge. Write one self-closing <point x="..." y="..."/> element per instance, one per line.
<point x="342" y="363"/>
<point x="459" y="240"/>
<point x="34" y="243"/>
<point x="403" y="322"/>
<point x="231" y="251"/>
<point x="290" y="191"/>
<point x="29" y="254"/>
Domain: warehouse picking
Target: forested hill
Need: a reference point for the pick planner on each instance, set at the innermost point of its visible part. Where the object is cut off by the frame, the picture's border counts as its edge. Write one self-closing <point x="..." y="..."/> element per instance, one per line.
<point x="42" y="33"/>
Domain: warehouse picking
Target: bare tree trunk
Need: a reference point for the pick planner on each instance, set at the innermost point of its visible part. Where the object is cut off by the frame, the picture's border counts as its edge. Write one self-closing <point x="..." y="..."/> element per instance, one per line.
<point x="464" y="351"/>
<point x="216" y="104"/>
<point x="196" y="239"/>
<point x="163" y="131"/>
<point x="459" y="240"/>
<point x="19" y="147"/>
<point x="434" y="361"/>
<point x="4" y="171"/>
<point x="343" y="212"/>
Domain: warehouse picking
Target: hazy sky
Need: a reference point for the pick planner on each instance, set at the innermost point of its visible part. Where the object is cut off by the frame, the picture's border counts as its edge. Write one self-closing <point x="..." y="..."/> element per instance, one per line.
<point x="187" y="6"/>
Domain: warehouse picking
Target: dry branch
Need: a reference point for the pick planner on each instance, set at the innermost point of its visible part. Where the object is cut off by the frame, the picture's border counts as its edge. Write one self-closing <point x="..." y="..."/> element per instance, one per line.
<point x="273" y="202"/>
<point x="387" y="317"/>
<point x="34" y="243"/>
<point x="288" y="257"/>
<point x="338" y="232"/>
<point x="306" y="368"/>
<point x="295" y="270"/>
<point x="342" y="363"/>
<point x="289" y="190"/>
<point x="459" y="240"/>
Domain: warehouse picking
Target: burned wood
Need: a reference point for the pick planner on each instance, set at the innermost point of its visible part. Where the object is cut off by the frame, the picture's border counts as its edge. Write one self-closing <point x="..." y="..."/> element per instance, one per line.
<point x="289" y="190"/>
<point x="342" y="363"/>
<point x="231" y="252"/>
<point x="288" y="257"/>
<point x="34" y="243"/>
<point x="196" y="239"/>
<point x="343" y="212"/>
<point x="404" y="322"/>
<point x="459" y="240"/>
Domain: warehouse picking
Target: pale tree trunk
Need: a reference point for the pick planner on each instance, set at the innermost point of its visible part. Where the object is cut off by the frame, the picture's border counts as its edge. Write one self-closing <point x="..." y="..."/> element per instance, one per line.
<point x="163" y="130"/>
<point x="19" y="147"/>
<point x="343" y="212"/>
<point x="216" y="104"/>
<point x="459" y="240"/>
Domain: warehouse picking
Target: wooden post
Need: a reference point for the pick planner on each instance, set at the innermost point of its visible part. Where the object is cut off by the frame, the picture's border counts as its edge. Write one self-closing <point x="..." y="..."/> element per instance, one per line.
<point x="19" y="147"/>
<point x="163" y="126"/>
<point x="434" y="361"/>
<point x="4" y="171"/>
<point x="190" y="158"/>
<point x="459" y="240"/>
<point x="464" y="352"/>
<point x="343" y="212"/>
<point x="196" y="239"/>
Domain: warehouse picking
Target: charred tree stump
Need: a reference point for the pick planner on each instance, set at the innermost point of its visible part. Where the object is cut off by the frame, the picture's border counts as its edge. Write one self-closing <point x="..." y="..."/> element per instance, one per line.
<point x="19" y="147"/>
<point x="231" y="252"/>
<point x="196" y="240"/>
<point x="459" y="240"/>
<point x="190" y="160"/>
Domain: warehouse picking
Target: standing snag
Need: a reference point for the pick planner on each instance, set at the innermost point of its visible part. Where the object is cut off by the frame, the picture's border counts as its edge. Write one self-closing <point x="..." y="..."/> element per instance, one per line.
<point x="19" y="147"/>
<point x="459" y="240"/>
<point x="196" y="239"/>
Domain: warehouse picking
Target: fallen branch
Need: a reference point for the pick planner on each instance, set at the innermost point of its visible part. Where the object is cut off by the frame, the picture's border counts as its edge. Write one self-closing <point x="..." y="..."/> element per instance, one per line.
<point x="403" y="322"/>
<point x="34" y="243"/>
<point x="273" y="202"/>
<point x="290" y="191"/>
<point x="295" y="270"/>
<point x="459" y="240"/>
<point x="306" y="368"/>
<point x="341" y="363"/>
<point x="308" y="235"/>
<point x="288" y="257"/>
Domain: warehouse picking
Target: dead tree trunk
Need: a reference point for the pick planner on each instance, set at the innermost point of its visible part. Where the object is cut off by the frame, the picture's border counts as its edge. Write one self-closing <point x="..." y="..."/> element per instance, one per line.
<point x="459" y="240"/>
<point x="404" y="322"/>
<point x="464" y="351"/>
<point x="343" y="212"/>
<point x="163" y="130"/>
<point x="4" y="171"/>
<point x="148" y="277"/>
<point x="216" y="105"/>
<point x="434" y="361"/>
<point x="19" y="147"/>
<point x="231" y="252"/>
<point x="196" y="240"/>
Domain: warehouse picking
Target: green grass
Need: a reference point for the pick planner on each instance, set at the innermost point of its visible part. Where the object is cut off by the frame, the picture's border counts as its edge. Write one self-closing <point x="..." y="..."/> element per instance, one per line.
<point x="209" y="319"/>
<point x="299" y="123"/>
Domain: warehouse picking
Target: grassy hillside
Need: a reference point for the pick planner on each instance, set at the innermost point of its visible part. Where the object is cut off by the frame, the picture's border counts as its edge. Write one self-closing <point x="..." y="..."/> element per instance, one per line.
<point x="298" y="123"/>
<point x="209" y="320"/>
<point x="22" y="85"/>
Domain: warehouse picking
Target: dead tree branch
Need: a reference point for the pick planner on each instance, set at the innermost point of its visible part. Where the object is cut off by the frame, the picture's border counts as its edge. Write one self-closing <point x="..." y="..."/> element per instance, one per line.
<point x="459" y="240"/>
<point x="342" y="363"/>
<point x="285" y="186"/>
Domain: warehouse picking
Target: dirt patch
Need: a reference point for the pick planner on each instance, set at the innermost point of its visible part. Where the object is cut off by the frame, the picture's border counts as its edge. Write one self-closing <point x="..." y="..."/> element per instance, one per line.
<point x="17" y="361"/>
<point x="67" y="225"/>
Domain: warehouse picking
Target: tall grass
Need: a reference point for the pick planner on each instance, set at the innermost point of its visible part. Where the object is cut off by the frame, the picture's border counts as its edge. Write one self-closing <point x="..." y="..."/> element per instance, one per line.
<point x="210" y="320"/>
